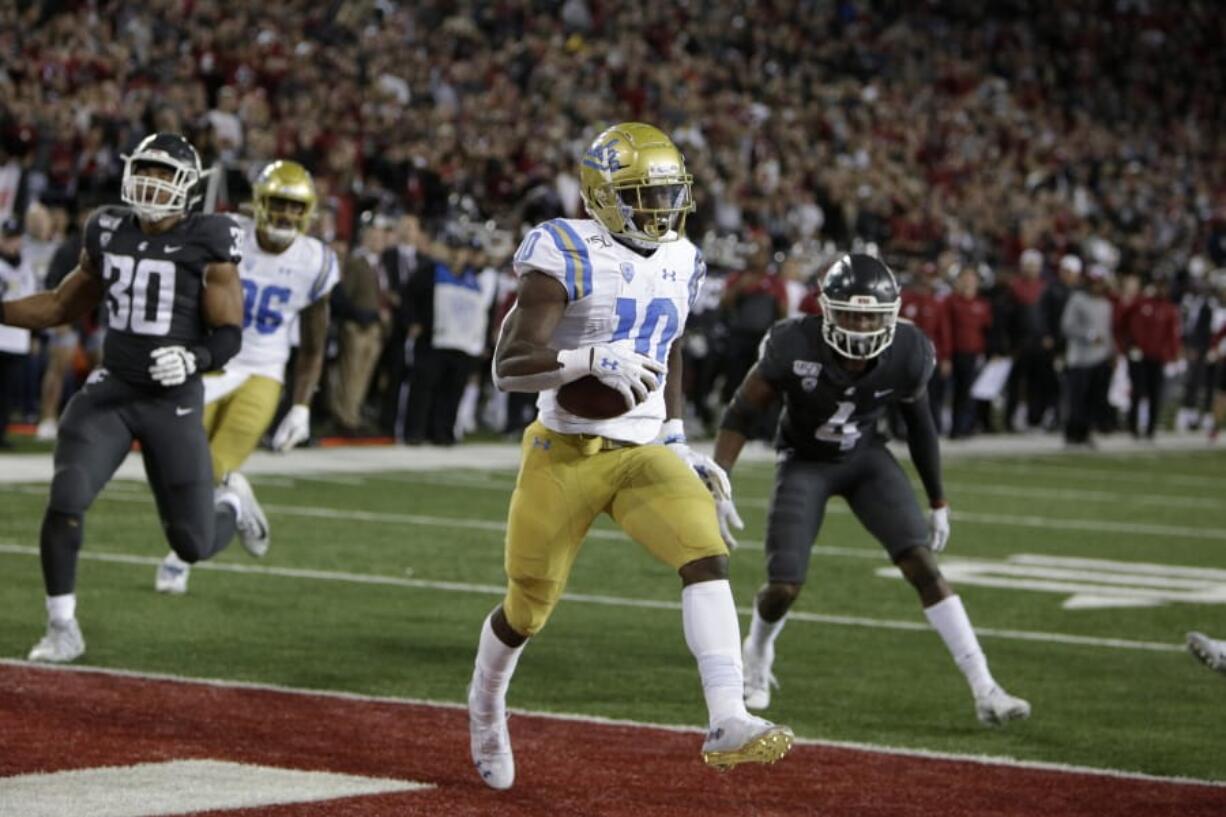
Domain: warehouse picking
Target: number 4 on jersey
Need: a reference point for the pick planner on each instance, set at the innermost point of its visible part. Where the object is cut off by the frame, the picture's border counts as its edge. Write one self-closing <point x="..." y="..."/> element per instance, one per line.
<point x="838" y="429"/>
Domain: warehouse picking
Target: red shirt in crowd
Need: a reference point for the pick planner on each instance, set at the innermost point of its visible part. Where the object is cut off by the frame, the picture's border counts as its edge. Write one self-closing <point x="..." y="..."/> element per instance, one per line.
<point x="969" y="320"/>
<point x="1151" y="324"/>
<point x="928" y="313"/>
<point x="1026" y="291"/>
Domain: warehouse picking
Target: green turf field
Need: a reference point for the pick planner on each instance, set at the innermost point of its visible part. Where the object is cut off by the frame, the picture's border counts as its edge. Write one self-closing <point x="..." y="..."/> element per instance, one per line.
<point x="378" y="584"/>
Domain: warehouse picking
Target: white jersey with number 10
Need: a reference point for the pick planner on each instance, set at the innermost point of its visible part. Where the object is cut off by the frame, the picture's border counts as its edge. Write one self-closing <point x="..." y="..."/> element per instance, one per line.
<point x="618" y="296"/>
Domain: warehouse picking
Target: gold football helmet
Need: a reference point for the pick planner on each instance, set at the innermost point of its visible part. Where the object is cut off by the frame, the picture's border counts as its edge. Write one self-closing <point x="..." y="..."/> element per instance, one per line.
<point x="283" y="201"/>
<point x="633" y="181"/>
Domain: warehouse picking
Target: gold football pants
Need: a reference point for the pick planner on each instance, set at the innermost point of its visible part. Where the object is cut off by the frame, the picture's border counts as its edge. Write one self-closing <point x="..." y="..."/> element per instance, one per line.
<point x="235" y="423"/>
<point x="565" y="481"/>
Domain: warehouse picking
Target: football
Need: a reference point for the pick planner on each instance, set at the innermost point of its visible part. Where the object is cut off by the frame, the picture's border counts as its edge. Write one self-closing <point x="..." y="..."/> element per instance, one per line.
<point x="589" y="398"/>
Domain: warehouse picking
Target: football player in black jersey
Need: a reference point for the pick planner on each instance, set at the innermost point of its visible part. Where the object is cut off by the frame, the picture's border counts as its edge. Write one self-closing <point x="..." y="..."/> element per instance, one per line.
<point x="836" y="373"/>
<point x="174" y="310"/>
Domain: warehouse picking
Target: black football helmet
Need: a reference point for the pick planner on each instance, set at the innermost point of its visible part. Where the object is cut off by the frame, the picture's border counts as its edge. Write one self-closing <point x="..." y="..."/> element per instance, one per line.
<point x="860" y="300"/>
<point x="155" y="198"/>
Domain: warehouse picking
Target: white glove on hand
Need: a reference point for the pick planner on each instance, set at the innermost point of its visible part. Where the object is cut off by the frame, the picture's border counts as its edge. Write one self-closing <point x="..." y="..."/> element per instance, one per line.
<point x="295" y="428"/>
<point x="630" y="373"/>
<point x="716" y="480"/>
<point x="938" y="523"/>
<point x="172" y="365"/>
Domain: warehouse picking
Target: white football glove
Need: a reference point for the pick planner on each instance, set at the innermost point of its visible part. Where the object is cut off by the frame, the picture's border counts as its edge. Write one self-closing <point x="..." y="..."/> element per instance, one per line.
<point x="713" y="476"/>
<point x="938" y="523"/>
<point x="633" y="375"/>
<point x="172" y="365"/>
<point x="295" y="428"/>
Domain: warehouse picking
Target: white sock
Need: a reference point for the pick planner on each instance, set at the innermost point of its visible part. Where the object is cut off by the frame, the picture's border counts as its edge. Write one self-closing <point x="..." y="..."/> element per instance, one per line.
<point x="173" y="560"/>
<point x="713" y="634"/>
<point x="762" y="633"/>
<point x="493" y="668"/>
<point x="62" y="608"/>
<point x="949" y="619"/>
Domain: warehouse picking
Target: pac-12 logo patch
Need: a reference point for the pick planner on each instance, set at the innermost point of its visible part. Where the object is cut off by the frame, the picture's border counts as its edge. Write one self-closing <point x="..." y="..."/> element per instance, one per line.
<point x="806" y="368"/>
<point x="627" y="270"/>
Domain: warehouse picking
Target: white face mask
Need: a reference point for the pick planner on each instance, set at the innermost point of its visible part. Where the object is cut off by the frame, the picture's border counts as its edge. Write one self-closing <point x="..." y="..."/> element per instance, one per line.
<point x="152" y="198"/>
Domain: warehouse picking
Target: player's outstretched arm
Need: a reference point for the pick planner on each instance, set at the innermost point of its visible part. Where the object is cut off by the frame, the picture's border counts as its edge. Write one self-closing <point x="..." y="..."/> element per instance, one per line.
<point x="78" y="293"/>
<point x="296" y="427"/>
<point x="925" y="447"/>
<point x="752" y="398"/>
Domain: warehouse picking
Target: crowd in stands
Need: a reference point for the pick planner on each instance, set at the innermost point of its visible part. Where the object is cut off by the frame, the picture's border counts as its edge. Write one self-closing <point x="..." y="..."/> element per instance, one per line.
<point x="1048" y="178"/>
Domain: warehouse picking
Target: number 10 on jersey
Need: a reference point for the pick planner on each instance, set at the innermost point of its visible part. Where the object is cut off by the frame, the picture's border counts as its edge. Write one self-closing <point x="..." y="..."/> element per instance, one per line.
<point x="658" y="309"/>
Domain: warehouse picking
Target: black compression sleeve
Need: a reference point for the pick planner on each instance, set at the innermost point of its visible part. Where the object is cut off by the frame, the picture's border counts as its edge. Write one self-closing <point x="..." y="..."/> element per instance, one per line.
<point x="740" y="416"/>
<point x="222" y="344"/>
<point x="924" y="446"/>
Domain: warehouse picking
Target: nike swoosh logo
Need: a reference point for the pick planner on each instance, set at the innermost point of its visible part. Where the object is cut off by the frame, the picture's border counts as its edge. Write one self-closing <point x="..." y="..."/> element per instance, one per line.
<point x="882" y="393"/>
<point x="182" y="412"/>
<point x="170" y="249"/>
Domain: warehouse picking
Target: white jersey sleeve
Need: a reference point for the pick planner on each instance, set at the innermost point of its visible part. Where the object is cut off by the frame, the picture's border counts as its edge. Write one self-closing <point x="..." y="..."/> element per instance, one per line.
<point x="557" y="249"/>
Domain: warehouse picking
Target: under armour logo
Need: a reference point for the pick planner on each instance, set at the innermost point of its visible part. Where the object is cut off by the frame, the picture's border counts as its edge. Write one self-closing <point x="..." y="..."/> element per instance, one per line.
<point x="715" y="734"/>
<point x="608" y="363"/>
<point x="669" y="275"/>
<point x="537" y="442"/>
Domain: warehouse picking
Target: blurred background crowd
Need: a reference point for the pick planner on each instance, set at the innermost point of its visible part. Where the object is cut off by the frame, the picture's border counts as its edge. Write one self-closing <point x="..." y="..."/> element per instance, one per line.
<point x="1048" y="179"/>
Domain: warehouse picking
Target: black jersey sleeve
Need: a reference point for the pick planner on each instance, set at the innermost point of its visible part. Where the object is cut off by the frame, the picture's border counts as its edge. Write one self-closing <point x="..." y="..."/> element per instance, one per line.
<point x="220" y="239"/>
<point x="780" y="347"/>
<point x="99" y="229"/>
<point x="921" y="361"/>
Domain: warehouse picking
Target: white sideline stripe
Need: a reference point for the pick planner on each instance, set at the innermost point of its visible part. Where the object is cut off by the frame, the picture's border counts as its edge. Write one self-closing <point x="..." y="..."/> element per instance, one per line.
<point x="179" y="787"/>
<point x="495" y="482"/>
<point x="1052" y="469"/>
<point x="983" y="760"/>
<point x="609" y="601"/>
<point x="1007" y="520"/>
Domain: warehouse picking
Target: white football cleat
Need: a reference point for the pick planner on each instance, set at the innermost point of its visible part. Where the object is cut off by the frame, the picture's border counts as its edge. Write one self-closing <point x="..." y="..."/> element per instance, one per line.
<point x="62" y="643"/>
<point x="172" y="575"/>
<point x="997" y="707"/>
<point x="489" y="738"/>
<point x="253" y="530"/>
<point x="747" y="739"/>
<point x="758" y="676"/>
<point x="1209" y="651"/>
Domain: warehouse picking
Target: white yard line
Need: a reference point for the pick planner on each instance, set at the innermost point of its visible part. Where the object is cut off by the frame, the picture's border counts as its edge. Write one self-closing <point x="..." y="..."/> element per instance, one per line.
<point x="984" y="760"/>
<point x="588" y="598"/>
<point x="838" y="508"/>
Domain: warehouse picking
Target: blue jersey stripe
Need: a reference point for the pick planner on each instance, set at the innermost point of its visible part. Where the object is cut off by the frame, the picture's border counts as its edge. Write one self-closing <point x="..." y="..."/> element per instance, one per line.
<point x="585" y="259"/>
<point x="568" y="256"/>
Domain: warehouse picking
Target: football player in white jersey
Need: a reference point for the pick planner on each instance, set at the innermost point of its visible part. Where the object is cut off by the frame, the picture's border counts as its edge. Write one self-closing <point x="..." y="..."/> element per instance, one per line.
<point x="286" y="276"/>
<point x="608" y="296"/>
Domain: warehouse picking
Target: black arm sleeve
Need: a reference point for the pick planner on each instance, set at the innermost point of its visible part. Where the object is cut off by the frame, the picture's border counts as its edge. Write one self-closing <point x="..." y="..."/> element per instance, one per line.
<point x="222" y="344"/>
<point x="924" y="445"/>
<point x="740" y="416"/>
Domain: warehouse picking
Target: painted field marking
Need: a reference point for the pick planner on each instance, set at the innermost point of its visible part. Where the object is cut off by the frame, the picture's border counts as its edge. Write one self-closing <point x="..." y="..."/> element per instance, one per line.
<point x="180" y="787"/>
<point x="991" y="519"/>
<point x="901" y="751"/>
<point x="609" y="601"/>
<point x="1090" y="583"/>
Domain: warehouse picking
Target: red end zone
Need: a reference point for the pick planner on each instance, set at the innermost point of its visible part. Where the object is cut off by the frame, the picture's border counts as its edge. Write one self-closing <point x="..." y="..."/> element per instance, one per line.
<point x="54" y="720"/>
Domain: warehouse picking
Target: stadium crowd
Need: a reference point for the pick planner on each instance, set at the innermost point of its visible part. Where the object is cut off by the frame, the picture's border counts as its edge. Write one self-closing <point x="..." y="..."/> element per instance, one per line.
<point x="1047" y="178"/>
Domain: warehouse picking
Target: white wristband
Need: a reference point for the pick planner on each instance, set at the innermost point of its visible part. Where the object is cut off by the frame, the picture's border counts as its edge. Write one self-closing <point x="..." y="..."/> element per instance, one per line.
<point x="673" y="431"/>
<point x="575" y="363"/>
